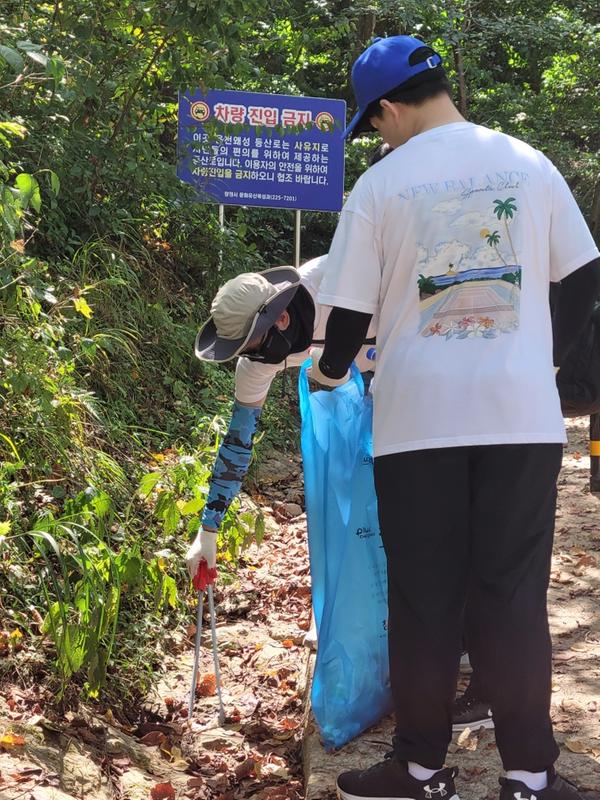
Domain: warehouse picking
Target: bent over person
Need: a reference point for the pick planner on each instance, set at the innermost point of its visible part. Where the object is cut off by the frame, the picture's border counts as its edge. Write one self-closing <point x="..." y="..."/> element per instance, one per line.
<point x="452" y="243"/>
<point x="268" y="320"/>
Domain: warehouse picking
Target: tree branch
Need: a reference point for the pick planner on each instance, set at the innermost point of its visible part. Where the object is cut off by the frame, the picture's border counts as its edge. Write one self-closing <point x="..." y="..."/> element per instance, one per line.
<point x="460" y="74"/>
<point x="137" y="86"/>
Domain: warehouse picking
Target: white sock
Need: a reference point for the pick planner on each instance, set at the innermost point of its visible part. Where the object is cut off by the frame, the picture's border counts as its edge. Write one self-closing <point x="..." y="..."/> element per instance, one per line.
<point x="419" y="772"/>
<point x="536" y="781"/>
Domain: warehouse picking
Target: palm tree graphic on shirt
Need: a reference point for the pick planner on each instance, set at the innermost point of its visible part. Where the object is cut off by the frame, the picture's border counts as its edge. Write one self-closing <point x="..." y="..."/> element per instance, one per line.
<point x="505" y="210"/>
<point x="493" y="239"/>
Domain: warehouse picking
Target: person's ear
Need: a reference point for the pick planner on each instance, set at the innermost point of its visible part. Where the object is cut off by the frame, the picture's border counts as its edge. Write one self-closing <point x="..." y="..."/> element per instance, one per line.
<point x="283" y="321"/>
<point x="395" y="110"/>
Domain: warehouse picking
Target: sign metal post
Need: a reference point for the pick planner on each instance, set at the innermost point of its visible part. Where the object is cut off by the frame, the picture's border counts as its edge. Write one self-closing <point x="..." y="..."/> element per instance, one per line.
<point x="297" y="228"/>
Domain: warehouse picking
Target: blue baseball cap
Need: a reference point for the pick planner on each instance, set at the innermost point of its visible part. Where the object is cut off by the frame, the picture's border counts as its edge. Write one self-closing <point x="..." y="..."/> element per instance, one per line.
<point x="385" y="65"/>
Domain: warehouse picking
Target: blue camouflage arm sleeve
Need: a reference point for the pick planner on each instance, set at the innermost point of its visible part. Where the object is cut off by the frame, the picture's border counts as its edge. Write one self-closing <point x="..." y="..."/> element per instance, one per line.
<point x="231" y="465"/>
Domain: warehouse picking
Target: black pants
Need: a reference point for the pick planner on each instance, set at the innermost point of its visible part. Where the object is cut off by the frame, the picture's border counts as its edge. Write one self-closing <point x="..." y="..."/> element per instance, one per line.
<point x="468" y="536"/>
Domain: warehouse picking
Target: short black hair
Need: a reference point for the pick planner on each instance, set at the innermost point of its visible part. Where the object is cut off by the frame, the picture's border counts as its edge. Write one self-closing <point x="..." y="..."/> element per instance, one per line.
<point x="412" y="92"/>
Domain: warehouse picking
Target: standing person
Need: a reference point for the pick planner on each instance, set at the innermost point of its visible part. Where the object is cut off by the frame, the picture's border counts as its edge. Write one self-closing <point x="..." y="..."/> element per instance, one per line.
<point x="452" y="243"/>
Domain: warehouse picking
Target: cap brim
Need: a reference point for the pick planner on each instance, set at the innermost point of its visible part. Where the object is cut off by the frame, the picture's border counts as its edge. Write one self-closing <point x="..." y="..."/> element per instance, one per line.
<point x="349" y="132"/>
<point x="209" y="346"/>
<point x="358" y="125"/>
<point x="278" y="275"/>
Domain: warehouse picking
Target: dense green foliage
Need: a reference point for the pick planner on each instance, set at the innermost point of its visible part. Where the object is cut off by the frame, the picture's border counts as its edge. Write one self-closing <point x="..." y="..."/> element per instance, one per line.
<point x="107" y="264"/>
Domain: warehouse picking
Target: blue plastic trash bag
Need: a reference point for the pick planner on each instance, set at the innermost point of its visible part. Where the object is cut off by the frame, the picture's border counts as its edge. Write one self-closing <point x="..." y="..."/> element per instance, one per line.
<point x="351" y="687"/>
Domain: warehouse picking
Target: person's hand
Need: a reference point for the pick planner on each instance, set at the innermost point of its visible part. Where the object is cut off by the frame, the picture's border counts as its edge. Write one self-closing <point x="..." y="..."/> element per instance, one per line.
<point x="315" y="374"/>
<point x="204" y="547"/>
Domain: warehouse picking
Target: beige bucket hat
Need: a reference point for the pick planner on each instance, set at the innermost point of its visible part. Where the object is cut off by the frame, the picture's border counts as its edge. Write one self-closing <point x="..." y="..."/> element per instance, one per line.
<point x="245" y="308"/>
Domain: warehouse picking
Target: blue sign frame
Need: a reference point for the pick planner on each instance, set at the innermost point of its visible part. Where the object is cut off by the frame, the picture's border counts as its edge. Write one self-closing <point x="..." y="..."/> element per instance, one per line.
<point x="254" y="149"/>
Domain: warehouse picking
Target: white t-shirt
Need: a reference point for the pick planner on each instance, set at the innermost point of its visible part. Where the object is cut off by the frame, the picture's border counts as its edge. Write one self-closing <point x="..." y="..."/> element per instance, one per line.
<point x="253" y="378"/>
<point x="452" y="241"/>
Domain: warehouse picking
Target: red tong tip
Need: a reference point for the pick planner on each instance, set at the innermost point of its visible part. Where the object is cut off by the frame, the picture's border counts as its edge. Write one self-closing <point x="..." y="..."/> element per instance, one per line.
<point x="204" y="577"/>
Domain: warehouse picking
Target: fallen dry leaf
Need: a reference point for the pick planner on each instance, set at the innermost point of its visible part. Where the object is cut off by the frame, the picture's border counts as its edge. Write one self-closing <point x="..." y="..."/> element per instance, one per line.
<point x="467" y="740"/>
<point x="196" y="782"/>
<point x="120" y="765"/>
<point x="564" y="655"/>
<point x="165" y="749"/>
<point x="576" y="746"/>
<point x="570" y="706"/>
<point x="472" y="772"/>
<point x="234" y="717"/>
<point x="289" y="724"/>
<point x="36" y="616"/>
<point x="586" y="561"/>
<point x="244" y="769"/>
<point x="287" y="643"/>
<point x="277" y="793"/>
<point x="10" y="740"/>
<point x="26" y="774"/>
<point x="580" y="647"/>
<point x="163" y="791"/>
<point x="275" y="771"/>
<point x="153" y="738"/>
<point x="561" y="577"/>
<point x="207" y="687"/>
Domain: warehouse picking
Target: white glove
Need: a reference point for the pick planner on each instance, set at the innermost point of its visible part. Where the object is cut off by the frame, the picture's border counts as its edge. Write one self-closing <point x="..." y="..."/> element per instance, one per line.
<point x="315" y="374"/>
<point x="204" y="547"/>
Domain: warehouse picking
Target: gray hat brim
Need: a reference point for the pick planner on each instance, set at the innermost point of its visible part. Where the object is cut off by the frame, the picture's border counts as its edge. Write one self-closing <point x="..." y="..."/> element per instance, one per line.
<point x="209" y="346"/>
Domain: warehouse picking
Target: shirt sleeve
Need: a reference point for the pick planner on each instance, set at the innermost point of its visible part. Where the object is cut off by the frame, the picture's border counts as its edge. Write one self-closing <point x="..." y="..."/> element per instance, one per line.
<point x="253" y="380"/>
<point x="353" y="272"/>
<point x="571" y="243"/>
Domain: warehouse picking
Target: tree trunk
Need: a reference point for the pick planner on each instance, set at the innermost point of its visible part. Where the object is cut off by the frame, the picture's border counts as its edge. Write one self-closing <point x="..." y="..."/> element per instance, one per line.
<point x="460" y="74"/>
<point x="365" y="27"/>
<point x="595" y="214"/>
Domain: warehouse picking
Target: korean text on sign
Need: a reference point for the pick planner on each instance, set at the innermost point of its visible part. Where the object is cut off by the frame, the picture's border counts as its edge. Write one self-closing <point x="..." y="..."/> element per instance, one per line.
<point x="246" y="148"/>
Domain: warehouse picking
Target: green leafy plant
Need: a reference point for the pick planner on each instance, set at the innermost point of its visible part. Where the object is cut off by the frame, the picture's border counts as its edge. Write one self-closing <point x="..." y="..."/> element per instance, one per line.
<point x="178" y="487"/>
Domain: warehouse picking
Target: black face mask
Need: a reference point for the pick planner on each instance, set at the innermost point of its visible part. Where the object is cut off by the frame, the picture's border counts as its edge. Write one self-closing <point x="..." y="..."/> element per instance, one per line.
<point x="274" y="349"/>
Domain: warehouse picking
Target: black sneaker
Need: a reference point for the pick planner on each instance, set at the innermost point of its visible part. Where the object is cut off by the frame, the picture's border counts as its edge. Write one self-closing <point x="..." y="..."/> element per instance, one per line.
<point x="390" y="780"/>
<point x="558" y="789"/>
<point x="471" y="712"/>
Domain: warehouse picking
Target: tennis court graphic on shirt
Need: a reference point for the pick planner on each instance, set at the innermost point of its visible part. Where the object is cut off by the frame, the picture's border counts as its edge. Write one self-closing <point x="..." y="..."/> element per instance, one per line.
<point x="474" y="302"/>
<point x="478" y="295"/>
